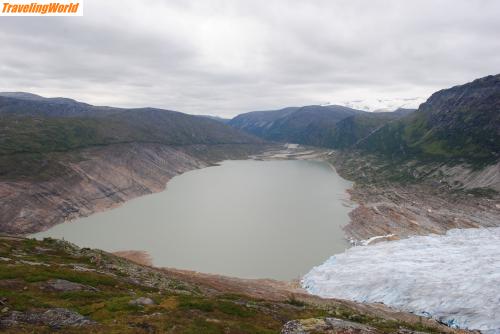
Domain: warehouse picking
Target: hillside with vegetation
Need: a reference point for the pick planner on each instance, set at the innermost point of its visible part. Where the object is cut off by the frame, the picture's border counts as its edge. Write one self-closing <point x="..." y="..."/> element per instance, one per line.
<point x="53" y="286"/>
<point x="31" y="124"/>
<point x="459" y="123"/>
<point x="323" y="126"/>
<point x="295" y="124"/>
<point x="61" y="159"/>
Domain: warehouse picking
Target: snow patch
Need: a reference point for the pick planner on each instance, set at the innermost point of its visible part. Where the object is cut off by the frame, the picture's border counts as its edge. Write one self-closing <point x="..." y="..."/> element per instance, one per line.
<point x="369" y="241"/>
<point x="291" y="146"/>
<point x="384" y="104"/>
<point x="454" y="278"/>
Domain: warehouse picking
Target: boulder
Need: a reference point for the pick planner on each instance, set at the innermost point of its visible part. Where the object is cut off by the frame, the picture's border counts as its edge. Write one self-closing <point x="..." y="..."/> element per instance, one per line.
<point x="142" y="301"/>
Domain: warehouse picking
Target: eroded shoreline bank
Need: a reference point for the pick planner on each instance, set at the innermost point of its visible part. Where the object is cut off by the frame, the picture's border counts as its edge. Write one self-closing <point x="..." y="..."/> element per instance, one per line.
<point x="97" y="179"/>
<point x="391" y="211"/>
<point x="104" y="178"/>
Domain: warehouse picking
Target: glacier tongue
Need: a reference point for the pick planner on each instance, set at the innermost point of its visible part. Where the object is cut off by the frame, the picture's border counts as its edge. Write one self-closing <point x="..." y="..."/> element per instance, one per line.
<point x="454" y="278"/>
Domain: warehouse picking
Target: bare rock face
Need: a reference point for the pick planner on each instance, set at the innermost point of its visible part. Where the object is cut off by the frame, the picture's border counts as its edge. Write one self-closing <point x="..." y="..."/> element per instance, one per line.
<point x="332" y="326"/>
<point x="104" y="178"/>
<point x="100" y="178"/>
<point x="54" y="318"/>
<point x="326" y="326"/>
<point x="442" y="199"/>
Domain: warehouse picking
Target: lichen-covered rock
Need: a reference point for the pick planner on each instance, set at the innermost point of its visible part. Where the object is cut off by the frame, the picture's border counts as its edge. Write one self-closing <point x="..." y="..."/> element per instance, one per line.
<point x="65" y="286"/>
<point x="142" y="301"/>
<point x="326" y="326"/>
<point x="55" y="318"/>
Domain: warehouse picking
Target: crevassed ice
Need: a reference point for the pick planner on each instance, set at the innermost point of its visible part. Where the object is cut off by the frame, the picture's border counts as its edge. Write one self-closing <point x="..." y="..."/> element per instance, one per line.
<point x="454" y="278"/>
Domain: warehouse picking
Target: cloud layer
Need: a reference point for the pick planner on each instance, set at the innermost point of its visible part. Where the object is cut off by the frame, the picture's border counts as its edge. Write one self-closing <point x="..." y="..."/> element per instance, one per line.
<point x="226" y="57"/>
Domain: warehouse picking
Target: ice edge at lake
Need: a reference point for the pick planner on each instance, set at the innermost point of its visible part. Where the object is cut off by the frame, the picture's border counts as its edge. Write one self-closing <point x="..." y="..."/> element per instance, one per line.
<point x="454" y="278"/>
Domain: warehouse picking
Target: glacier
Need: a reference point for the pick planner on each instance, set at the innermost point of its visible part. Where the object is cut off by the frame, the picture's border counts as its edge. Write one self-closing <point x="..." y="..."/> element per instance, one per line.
<point x="453" y="278"/>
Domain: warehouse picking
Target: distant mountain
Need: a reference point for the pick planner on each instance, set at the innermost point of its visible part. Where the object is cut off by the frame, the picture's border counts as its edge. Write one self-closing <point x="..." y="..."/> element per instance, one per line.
<point x="403" y="111"/>
<point x="259" y="122"/>
<point x="294" y="124"/>
<point x="462" y="122"/>
<point x="26" y="104"/>
<point x="61" y="159"/>
<point x="354" y="129"/>
<point x="217" y="118"/>
<point x="326" y="126"/>
<point x="22" y="95"/>
<point x="33" y="124"/>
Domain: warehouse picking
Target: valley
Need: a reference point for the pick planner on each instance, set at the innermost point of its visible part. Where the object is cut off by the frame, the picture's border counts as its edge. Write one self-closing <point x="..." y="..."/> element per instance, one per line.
<point x="241" y="218"/>
<point x="250" y="167"/>
<point x="413" y="172"/>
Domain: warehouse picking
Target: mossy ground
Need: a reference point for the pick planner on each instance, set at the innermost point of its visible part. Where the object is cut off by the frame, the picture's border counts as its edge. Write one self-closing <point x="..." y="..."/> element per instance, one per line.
<point x="27" y="264"/>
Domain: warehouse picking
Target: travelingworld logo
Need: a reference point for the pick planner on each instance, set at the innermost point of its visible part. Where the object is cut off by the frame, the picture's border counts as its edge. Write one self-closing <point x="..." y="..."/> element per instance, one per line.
<point x="41" y="8"/>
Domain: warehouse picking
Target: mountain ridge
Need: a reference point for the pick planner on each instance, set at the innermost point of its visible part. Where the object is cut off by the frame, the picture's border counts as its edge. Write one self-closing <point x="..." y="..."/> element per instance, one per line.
<point x="48" y="125"/>
<point x="460" y="123"/>
<point x="62" y="159"/>
<point x="323" y="126"/>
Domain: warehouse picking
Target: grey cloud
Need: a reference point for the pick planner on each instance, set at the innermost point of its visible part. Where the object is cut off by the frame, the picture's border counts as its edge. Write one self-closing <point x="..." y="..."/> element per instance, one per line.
<point x="226" y="57"/>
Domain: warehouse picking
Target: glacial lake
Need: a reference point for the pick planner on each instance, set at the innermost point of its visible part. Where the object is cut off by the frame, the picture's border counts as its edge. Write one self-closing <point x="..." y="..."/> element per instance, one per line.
<point x="250" y="219"/>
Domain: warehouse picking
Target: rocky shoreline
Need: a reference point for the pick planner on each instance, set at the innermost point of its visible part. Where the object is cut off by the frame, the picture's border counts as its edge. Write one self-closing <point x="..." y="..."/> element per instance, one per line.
<point x="382" y="211"/>
<point x="391" y="210"/>
<point x="417" y="207"/>
<point x="139" y="257"/>
<point x="101" y="178"/>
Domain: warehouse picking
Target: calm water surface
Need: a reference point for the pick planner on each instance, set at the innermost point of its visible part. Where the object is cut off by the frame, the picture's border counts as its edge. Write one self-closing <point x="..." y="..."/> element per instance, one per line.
<point x="252" y="219"/>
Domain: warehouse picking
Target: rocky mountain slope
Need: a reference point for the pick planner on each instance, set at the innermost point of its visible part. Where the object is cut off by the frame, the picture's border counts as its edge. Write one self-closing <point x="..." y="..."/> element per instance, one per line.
<point x="462" y="122"/>
<point x="60" y="159"/>
<point x="48" y="286"/>
<point x="295" y="124"/>
<point x="459" y="123"/>
<point x="30" y="125"/>
<point x="325" y="126"/>
<point x="351" y="130"/>
<point x="452" y="139"/>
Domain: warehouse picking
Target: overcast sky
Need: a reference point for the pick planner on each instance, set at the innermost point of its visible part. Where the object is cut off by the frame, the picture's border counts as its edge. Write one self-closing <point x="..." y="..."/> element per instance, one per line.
<point x="227" y="57"/>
